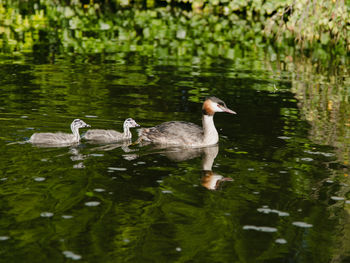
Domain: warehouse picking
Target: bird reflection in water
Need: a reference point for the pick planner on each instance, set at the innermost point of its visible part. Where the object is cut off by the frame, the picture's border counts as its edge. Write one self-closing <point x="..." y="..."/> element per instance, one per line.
<point x="210" y="179"/>
<point x="76" y="156"/>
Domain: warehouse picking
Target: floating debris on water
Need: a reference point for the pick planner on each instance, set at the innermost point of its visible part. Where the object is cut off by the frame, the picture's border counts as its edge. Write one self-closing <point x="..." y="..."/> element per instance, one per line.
<point x="267" y="210"/>
<point x="46" y="214"/>
<point x="71" y="255"/>
<point x="39" y="179"/>
<point x="302" y="224"/>
<point x="79" y="166"/>
<point x="284" y="137"/>
<point x="306" y="159"/>
<point x="99" y="190"/>
<point x="320" y="153"/>
<point x="67" y="216"/>
<point x="117" y="169"/>
<point x="93" y="203"/>
<point x="261" y="228"/>
<point x="281" y="241"/>
<point x="97" y="154"/>
<point x="337" y="198"/>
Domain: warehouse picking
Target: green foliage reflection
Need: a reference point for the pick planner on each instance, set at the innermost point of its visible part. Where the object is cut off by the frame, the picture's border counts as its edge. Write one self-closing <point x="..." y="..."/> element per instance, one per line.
<point x="206" y="29"/>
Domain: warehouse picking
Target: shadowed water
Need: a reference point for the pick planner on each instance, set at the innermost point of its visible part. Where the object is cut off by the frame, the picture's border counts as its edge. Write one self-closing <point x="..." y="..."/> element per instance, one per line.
<point x="267" y="192"/>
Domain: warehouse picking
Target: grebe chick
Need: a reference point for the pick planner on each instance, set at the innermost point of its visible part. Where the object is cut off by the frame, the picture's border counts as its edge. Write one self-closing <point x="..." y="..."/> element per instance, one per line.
<point x="185" y="133"/>
<point x="111" y="135"/>
<point x="60" y="138"/>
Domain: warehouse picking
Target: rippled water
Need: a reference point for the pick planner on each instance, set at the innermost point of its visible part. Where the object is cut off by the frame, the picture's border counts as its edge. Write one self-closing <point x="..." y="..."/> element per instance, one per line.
<point x="267" y="193"/>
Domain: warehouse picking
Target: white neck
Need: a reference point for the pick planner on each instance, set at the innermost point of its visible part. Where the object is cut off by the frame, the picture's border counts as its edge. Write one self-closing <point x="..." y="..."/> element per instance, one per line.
<point x="127" y="133"/>
<point x="75" y="131"/>
<point x="211" y="135"/>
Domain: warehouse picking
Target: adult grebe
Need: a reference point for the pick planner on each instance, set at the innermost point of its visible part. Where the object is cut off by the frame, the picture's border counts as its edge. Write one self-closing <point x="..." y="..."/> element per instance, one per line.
<point x="185" y="133"/>
<point x="60" y="138"/>
<point x="111" y="135"/>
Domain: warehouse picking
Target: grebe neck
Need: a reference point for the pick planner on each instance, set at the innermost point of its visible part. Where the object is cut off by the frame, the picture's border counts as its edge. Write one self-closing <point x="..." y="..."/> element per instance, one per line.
<point x="75" y="131"/>
<point x="127" y="133"/>
<point x="210" y="135"/>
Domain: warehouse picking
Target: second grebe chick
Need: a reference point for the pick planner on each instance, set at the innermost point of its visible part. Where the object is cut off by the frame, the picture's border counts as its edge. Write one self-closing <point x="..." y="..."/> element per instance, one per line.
<point x="59" y="138"/>
<point x="185" y="133"/>
<point x="112" y="135"/>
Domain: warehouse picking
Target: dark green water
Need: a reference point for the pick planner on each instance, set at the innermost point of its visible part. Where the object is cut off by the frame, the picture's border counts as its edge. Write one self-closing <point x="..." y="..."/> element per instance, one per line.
<point x="285" y="200"/>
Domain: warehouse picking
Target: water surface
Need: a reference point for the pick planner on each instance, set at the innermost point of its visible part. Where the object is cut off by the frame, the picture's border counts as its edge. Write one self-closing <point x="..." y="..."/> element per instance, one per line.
<point x="268" y="192"/>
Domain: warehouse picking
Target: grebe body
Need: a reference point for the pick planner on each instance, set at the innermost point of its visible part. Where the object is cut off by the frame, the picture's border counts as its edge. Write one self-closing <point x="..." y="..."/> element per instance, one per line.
<point x="185" y="133"/>
<point x="111" y="135"/>
<point x="60" y="138"/>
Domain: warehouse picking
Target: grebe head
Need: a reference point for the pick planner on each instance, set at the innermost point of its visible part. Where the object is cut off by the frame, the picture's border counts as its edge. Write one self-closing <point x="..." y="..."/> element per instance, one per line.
<point x="77" y="123"/>
<point x="213" y="104"/>
<point x="131" y="123"/>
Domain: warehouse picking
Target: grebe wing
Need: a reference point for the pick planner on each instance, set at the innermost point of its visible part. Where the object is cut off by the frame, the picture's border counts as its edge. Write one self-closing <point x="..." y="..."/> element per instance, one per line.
<point x="172" y="132"/>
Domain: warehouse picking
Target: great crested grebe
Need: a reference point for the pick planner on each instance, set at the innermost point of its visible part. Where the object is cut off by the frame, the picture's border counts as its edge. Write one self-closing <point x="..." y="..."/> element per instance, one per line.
<point x="59" y="138"/>
<point x="111" y="135"/>
<point x="185" y="133"/>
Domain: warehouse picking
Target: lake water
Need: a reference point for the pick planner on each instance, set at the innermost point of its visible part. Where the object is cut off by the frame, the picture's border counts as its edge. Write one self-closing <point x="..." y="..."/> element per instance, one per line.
<point x="275" y="188"/>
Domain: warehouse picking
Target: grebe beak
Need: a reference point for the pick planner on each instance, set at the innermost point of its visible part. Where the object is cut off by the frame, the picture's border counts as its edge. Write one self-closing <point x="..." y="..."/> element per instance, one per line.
<point x="223" y="108"/>
<point x="229" y="111"/>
